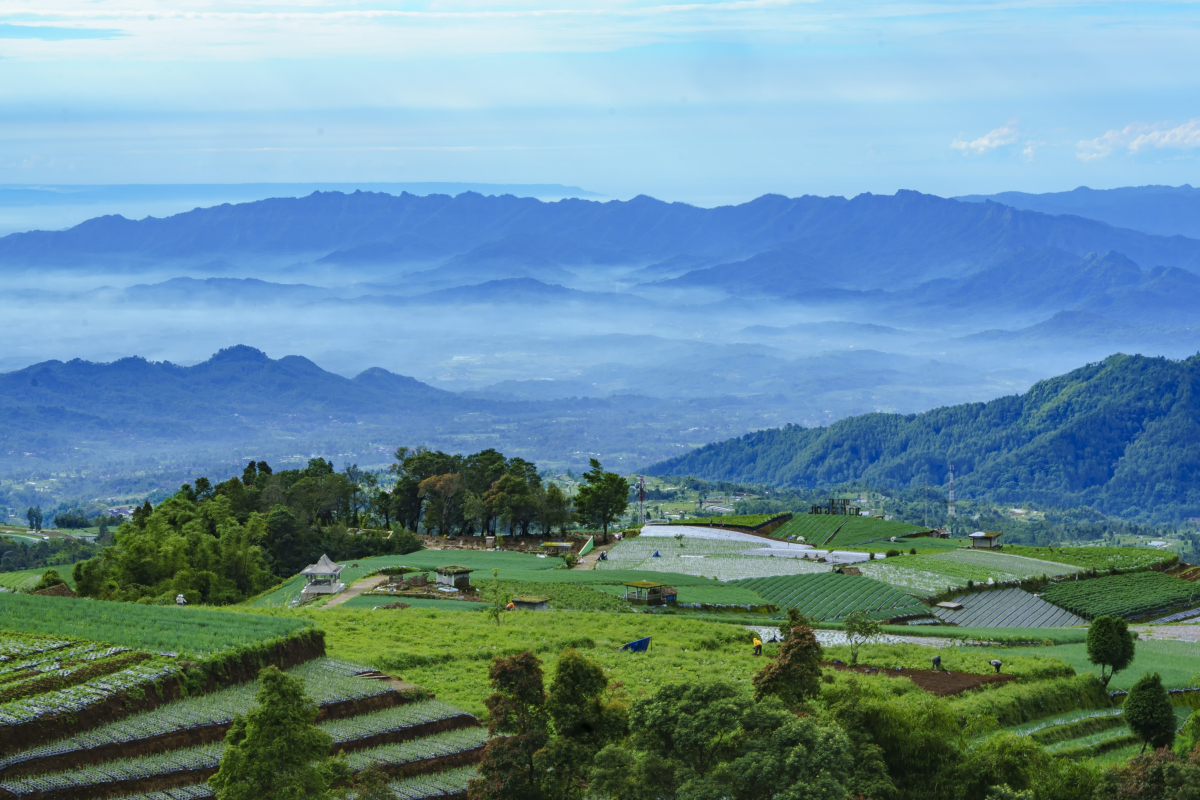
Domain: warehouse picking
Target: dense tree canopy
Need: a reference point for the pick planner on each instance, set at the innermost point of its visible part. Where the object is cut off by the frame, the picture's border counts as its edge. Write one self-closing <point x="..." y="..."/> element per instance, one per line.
<point x="1121" y="435"/>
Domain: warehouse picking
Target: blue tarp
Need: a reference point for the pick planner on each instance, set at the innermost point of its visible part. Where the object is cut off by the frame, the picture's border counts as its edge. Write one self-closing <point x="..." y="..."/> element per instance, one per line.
<point x="637" y="646"/>
<point x="656" y="555"/>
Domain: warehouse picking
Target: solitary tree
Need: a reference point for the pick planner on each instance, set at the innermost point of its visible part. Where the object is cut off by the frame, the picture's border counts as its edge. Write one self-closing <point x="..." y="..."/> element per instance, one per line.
<point x="445" y="490"/>
<point x="276" y="750"/>
<point x="34" y="516"/>
<point x="1149" y="712"/>
<point x="795" y="675"/>
<point x="859" y="629"/>
<point x="1109" y="646"/>
<point x="602" y="498"/>
<point x="519" y="727"/>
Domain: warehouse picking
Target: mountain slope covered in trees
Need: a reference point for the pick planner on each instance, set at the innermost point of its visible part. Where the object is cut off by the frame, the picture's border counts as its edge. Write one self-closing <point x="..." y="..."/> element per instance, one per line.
<point x="1122" y="435"/>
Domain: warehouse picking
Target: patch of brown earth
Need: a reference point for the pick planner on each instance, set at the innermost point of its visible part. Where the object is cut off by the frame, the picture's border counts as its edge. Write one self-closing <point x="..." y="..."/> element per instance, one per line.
<point x="941" y="684"/>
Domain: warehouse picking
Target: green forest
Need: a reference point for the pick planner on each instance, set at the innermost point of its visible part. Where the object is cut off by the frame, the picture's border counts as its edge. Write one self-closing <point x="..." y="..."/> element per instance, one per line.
<point x="223" y="543"/>
<point x="1121" y="436"/>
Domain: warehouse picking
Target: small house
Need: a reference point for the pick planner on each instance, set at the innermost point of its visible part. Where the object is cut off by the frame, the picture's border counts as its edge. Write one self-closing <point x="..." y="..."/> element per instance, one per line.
<point x="648" y="593"/>
<point x="454" y="577"/>
<point x="323" y="577"/>
<point x="986" y="540"/>
<point x="531" y="603"/>
<point x="849" y="570"/>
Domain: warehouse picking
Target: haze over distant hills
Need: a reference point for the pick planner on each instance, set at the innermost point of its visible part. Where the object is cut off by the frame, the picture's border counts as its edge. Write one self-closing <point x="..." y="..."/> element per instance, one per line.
<point x="688" y="324"/>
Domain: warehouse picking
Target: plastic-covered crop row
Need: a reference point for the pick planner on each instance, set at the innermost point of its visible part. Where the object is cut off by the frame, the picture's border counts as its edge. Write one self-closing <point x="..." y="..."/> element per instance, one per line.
<point x="194" y="758"/>
<point x="419" y="787"/>
<point x="76" y="698"/>
<point x="16" y="646"/>
<point x="391" y="719"/>
<point x="442" y="744"/>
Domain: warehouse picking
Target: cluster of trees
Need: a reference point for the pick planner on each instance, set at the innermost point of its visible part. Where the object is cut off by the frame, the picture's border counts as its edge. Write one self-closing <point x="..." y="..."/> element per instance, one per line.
<point x="223" y="543"/>
<point x="16" y="556"/>
<point x="799" y="734"/>
<point x="487" y="493"/>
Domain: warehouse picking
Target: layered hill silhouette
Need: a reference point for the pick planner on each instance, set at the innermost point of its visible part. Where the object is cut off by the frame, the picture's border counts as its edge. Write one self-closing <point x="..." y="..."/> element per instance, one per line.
<point x="785" y="245"/>
<point x="1122" y="435"/>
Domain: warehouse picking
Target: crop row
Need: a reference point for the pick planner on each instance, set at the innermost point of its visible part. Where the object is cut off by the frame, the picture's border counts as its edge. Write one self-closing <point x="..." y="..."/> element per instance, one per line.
<point x="1007" y="562"/>
<point x="831" y="595"/>
<point x="1099" y="558"/>
<point x="1122" y="595"/>
<point x="326" y="681"/>
<point x="196" y="631"/>
<point x="207" y="757"/>
<point x="1007" y="608"/>
<point x="76" y="698"/>
<point x="931" y="574"/>
<point x="16" y="645"/>
<point x="54" y="659"/>
<point x="740" y="520"/>
<point x="451" y="783"/>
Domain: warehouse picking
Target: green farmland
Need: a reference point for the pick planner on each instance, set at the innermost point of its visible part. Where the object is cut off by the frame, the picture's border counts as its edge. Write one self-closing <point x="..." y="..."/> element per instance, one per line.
<point x="1127" y="596"/>
<point x="831" y="596"/>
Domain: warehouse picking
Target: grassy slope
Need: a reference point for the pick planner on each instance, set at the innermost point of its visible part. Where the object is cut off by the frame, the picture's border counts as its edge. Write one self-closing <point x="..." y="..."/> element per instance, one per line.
<point x="1176" y="661"/>
<point x="30" y="577"/>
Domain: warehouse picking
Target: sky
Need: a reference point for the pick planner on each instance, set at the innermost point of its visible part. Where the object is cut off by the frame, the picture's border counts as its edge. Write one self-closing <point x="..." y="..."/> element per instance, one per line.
<point x="702" y="102"/>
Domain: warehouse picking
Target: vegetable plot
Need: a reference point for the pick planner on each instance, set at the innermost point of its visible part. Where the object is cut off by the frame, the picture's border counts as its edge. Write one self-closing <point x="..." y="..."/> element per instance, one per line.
<point x="833" y="596"/>
<point x="1007" y="608"/>
<point x="817" y="528"/>
<point x="1122" y="595"/>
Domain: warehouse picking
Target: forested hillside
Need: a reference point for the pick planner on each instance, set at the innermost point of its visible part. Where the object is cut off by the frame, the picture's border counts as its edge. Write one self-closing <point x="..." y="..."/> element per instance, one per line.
<point x="1122" y="435"/>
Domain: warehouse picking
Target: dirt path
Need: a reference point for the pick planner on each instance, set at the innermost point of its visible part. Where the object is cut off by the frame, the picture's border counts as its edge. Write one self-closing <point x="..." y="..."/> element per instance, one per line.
<point x="365" y="585"/>
<point x="942" y="684"/>
<point x="589" y="561"/>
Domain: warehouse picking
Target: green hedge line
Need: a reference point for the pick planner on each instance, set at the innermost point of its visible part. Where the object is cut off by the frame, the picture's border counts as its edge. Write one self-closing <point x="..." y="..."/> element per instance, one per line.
<point x="1015" y="703"/>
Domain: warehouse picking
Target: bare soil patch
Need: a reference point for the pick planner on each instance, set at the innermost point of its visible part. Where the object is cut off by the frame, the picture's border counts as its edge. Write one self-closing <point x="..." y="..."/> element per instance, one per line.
<point x="941" y="684"/>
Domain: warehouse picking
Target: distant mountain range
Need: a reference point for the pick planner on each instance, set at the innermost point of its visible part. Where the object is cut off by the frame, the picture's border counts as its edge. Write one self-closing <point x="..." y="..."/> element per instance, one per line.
<point x="1162" y="210"/>
<point x="1122" y="435"/>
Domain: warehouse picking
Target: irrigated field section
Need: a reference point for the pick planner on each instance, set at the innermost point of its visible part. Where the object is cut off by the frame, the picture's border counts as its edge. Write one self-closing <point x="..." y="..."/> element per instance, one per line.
<point x="1122" y="595"/>
<point x="832" y="596"/>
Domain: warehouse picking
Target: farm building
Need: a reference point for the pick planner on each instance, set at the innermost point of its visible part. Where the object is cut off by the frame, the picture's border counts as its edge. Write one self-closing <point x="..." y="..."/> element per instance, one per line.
<point x="986" y="540"/>
<point x="531" y="603"/>
<point x="837" y="507"/>
<point x="454" y="577"/>
<point x="648" y="593"/>
<point x="323" y="577"/>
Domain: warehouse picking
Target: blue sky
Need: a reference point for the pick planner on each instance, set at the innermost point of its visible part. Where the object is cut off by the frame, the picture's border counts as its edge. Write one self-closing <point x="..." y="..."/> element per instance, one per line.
<point x="699" y="101"/>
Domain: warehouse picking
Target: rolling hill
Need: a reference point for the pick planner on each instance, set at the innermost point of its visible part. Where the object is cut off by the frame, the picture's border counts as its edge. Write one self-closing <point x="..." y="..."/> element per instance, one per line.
<point x="1122" y="435"/>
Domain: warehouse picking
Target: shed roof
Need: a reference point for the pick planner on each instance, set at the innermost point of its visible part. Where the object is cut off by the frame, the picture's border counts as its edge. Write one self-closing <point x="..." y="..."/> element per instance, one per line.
<point x="451" y="569"/>
<point x="986" y="534"/>
<point x="644" y="584"/>
<point x="323" y="567"/>
<point x="530" y="599"/>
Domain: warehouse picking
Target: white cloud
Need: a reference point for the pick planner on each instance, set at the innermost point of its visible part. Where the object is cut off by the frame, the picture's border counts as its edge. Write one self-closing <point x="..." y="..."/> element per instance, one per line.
<point x="998" y="137"/>
<point x="1138" y="136"/>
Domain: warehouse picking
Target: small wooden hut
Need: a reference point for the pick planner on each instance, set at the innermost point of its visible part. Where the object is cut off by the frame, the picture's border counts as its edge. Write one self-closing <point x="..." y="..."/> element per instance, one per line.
<point x="648" y="593"/>
<point x="988" y="540"/>
<point x="454" y="577"/>
<point x="531" y="603"/>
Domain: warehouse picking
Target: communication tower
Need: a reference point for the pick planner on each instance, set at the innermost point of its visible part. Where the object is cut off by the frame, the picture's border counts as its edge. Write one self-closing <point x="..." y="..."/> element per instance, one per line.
<point x="950" y="505"/>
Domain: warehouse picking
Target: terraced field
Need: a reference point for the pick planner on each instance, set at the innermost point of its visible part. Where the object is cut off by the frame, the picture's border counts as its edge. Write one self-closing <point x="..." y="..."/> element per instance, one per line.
<point x="1127" y="596"/>
<point x="819" y="529"/>
<point x="1099" y="558"/>
<point x="124" y="726"/>
<point x="833" y="596"/>
<point x="1007" y="608"/>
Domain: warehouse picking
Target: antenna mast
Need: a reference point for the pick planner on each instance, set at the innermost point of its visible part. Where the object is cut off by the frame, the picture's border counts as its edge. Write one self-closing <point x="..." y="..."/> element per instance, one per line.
<point x="950" y="507"/>
<point x="641" y="499"/>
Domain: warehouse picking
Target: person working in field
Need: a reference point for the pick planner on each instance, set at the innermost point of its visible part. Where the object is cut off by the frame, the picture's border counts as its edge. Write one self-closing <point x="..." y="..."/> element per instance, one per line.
<point x="757" y="646"/>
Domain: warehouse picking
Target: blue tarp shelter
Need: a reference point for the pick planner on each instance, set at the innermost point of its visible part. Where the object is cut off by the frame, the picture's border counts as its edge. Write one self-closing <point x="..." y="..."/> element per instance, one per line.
<point x="637" y="645"/>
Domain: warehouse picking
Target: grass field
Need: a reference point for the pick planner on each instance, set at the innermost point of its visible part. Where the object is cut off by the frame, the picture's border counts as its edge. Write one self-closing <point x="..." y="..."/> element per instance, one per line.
<point x="832" y="596"/>
<point x="708" y="557"/>
<point x="1122" y="595"/>
<point x="1177" y="662"/>
<point x="26" y="579"/>
<point x="370" y="601"/>
<point x="195" y="631"/>
<point x="1100" y="558"/>
<point x="483" y="560"/>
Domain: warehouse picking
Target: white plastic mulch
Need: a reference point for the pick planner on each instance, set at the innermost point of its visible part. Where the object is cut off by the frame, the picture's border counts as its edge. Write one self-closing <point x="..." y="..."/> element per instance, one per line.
<point x="835" y="638"/>
<point x="698" y="532"/>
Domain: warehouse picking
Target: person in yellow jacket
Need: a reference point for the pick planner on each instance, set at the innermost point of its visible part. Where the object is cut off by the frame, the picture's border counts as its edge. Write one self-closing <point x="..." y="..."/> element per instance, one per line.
<point x="757" y="646"/>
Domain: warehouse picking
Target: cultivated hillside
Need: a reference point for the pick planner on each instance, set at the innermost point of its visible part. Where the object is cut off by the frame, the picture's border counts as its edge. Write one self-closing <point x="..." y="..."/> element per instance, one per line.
<point x="1122" y="435"/>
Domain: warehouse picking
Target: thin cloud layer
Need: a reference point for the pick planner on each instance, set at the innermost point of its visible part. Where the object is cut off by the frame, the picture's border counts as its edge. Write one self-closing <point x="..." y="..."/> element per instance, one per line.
<point x="1139" y="136"/>
<point x="997" y="137"/>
